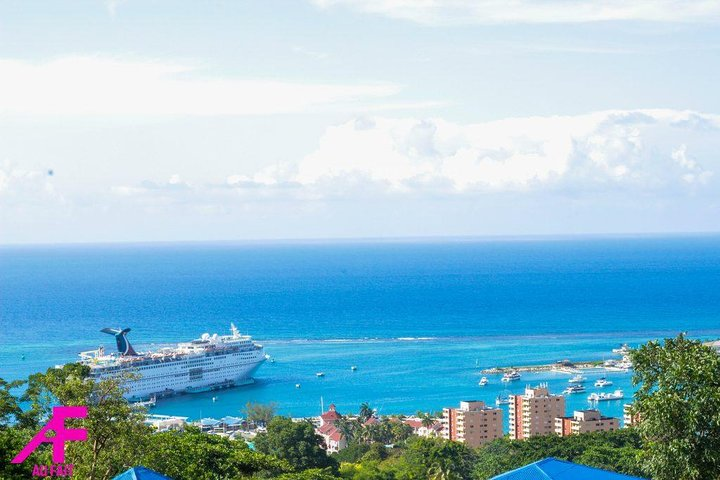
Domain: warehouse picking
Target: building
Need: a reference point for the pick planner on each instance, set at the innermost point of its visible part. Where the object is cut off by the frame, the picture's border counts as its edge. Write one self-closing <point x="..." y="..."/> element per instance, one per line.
<point x="421" y="430"/>
<point x="554" y="469"/>
<point x="163" y="423"/>
<point x="583" y="421"/>
<point x="534" y="412"/>
<point x="630" y="419"/>
<point x="334" y="439"/>
<point x="474" y="423"/>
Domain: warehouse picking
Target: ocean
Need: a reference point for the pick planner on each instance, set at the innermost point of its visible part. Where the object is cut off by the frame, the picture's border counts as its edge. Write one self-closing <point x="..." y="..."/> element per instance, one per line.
<point x="419" y="319"/>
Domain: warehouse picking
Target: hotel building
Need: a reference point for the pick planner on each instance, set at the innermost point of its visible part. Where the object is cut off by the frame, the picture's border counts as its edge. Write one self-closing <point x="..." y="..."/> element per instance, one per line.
<point x="534" y="412"/>
<point x="584" y="421"/>
<point x="474" y="423"/>
<point x="629" y="418"/>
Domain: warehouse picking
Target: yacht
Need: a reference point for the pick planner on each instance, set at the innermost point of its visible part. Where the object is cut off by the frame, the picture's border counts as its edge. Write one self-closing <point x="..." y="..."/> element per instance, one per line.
<point x="603" y="382"/>
<point x="502" y="400"/>
<point x="577" y="379"/>
<point x="483" y="381"/>
<point x="511" y="376"/>
<point x="574" y="389"/>
<point x="623" y="350"/>
<point x="603" y="397"/>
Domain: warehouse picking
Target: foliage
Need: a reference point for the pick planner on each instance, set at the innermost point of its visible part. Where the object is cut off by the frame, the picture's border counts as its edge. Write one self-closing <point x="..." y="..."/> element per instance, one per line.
<point x="260" y="413"/>
<point x="436" y="459"/>
<point x="617" y="451"/>
<point x="678" y="402"/>
<point x="365" y="412"/>
<point x="352" y="453"/>
<point x="207" y="457"/>
<point x="116" y="433"/>
<point x="295" y="442"/>
<point x="310" y="474"/>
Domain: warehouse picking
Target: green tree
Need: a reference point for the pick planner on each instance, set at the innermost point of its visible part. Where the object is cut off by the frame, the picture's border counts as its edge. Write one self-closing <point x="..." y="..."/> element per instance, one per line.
<point x="260" y="413"/>
<point x="116" y="433"/>
<point x="365" y="412"/>
<point x="206" y="457"/>
<point x="352" y="453"/>
<point x="678" y="401"/>
<point x="350" y="428"/>
<point x="437" y="459"/>
<point x="427" y="419"/>
<point x="295" y="442"/>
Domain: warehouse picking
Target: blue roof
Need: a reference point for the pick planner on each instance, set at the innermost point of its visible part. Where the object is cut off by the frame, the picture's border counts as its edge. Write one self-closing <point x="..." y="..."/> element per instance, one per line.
<point x="140" y="473"/>
<point x="553" y="469"/>
<point x="231" y="420"/>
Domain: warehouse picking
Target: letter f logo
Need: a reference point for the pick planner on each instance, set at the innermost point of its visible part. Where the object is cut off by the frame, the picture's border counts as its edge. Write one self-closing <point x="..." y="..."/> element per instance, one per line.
<point x="62" y="435"/>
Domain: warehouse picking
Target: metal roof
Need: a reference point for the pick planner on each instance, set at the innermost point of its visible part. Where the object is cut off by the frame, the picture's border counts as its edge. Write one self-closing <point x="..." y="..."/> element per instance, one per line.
<point x="553" y="469"/>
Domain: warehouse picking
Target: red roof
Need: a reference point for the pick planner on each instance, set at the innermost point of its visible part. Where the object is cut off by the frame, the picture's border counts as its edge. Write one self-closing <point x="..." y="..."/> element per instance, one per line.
<point x="415" y="424"/>
<point x="331" y="415"/>
<point x="371" y="421"/>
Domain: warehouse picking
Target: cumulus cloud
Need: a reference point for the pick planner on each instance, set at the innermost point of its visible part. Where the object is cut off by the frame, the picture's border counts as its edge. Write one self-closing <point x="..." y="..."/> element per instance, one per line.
<point x="23" y="186"/>
<point x="106" y="86"/>
<point x="637" y="150"/>
<point x="444" y="12"/>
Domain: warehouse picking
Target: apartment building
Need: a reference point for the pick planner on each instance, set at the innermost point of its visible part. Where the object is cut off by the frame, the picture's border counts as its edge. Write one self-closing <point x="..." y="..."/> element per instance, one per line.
<point x="583" y="421"/>
<point x="474" y="423"/>
<point x="534" y="412"/>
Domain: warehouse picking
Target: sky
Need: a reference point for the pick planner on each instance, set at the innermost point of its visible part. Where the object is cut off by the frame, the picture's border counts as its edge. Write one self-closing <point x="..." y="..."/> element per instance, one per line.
<point x="174" y="120"/>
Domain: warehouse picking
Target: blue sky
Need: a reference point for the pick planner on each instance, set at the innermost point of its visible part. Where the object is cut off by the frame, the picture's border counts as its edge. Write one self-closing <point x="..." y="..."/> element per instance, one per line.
<point x="175" y="120"/>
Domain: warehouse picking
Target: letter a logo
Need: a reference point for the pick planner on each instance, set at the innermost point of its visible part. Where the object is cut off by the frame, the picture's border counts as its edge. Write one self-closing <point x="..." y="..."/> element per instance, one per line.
<point x="62" y="435"/>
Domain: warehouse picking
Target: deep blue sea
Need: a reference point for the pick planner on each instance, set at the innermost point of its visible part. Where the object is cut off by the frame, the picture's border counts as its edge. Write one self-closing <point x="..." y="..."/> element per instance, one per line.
<point x="418" y="318"/>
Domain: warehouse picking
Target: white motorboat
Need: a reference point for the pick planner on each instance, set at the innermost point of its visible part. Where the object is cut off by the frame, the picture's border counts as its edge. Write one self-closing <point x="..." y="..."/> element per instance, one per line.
<point x="511" y="376"/>
<point x="483" y="381"/>
<point x="574" y="389"/>
<point x="603" y="382"/>
<point x="577" y="379"/>
<point x="603" y="397"/>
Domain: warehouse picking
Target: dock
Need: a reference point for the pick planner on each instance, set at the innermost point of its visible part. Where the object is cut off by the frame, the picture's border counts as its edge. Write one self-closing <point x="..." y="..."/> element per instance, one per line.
<point x="563" y="368"/>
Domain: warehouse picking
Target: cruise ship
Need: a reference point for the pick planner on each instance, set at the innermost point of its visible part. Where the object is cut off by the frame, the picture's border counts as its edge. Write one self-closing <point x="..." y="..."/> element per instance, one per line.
<point x="207" y="363"/>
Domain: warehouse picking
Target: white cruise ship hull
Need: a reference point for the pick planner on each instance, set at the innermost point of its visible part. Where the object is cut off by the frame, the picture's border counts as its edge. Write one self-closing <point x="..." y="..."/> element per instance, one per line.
<point x="189" y="374"/>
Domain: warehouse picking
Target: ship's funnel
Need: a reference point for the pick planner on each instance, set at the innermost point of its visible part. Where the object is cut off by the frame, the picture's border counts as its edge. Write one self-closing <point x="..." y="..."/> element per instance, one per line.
<point x="123" y="344"/>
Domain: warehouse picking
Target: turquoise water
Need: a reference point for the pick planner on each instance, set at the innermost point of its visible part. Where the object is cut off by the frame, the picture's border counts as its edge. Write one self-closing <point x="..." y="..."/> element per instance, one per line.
<point x="419" y="319"/>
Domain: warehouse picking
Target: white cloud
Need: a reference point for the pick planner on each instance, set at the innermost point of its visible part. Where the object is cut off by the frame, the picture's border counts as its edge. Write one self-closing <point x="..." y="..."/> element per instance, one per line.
<point x="102" y="86"/>
<point x="636" y="150"/>
<point x="23" y="186"/>
<point x="444" y="12"/>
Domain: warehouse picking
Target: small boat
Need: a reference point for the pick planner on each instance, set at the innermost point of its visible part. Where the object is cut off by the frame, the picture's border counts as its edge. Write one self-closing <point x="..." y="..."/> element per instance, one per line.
<point x="147" y="403"/>
<point x="483" y="381"/>
<point x="353" y="368"/>
<point x="297" y="385"/>
<point x="603" y="397"/>
<point x="618" y="368"/>
<point x="577" y="379"/>
<point x="215" y="399"/>
<point x="502" y="400"/>
<point x="320" y="374"/>
<point x="623" y="350"/>
<point x="511" y="376"/>
<point x="603" y="382"/>
<point x="574" y="389"/>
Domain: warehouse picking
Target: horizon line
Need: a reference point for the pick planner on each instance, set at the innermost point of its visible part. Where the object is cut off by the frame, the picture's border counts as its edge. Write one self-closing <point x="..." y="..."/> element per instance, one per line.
<point x="373" y="239"/>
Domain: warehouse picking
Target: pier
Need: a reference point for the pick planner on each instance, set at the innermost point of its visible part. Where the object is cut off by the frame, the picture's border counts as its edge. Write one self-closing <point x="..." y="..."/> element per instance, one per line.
<point x="563" y="367"/>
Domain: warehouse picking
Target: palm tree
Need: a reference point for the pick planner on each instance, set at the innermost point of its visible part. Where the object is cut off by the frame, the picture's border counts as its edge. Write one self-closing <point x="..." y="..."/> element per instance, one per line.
<point x="427" y="419"/>
<point x="348" y="428"/>
<point x="365" y="412"/>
